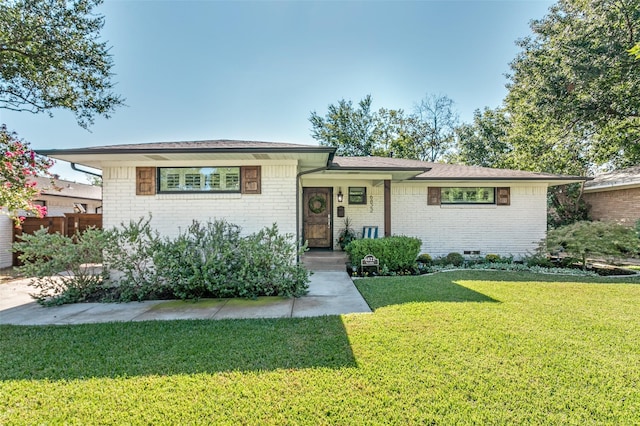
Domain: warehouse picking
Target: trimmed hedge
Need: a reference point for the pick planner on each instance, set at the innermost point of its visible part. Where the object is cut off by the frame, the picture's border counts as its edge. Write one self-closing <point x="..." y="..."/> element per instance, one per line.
<point x="394" y="253"/>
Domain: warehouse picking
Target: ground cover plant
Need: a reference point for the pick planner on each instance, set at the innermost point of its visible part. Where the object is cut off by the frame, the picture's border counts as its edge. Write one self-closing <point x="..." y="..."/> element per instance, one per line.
<point x="463" y="347"/>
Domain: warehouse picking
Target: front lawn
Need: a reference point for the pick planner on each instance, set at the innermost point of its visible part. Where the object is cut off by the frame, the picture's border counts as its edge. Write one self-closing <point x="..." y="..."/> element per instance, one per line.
<point x="464" y="347"/>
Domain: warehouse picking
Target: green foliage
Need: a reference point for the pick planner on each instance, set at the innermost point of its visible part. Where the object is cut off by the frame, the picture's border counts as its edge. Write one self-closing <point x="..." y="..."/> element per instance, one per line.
<point x="585" y="239"/>
<point x="52" y="57"/>
<point x="427" y="134"/>
<point x="492" y="258"/>
<point x="425" y="259"/>
<point x="395" y="253"/>
<point x="483" y="143"/>
<point x="64" y="269"/>
<point x="346" y="234"/>
<point x="566" y="205"/>
<point x="214" y="260"/>
<point x="207" y="260"/>
<point x="131" y="259"/>
<point x="351" y="130"/>
<point x="455" y="259"/>
<point x="574" y="90"/>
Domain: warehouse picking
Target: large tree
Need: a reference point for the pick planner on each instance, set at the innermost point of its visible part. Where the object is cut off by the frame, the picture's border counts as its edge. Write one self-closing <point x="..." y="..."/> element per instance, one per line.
<point x="358" y="131"/>
<point x="427" y="134"/>
<point x="574" y="89"/>
<point x="432" y="127"/>
<point x="51" y="56"/>
<point x="484" y="142"/>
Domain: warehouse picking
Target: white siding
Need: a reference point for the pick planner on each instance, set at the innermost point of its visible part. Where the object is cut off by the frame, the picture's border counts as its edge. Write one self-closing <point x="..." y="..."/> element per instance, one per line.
<point x="505" y="230"/>
<point x="6" y="237"/>
<point x="174" y="212"/>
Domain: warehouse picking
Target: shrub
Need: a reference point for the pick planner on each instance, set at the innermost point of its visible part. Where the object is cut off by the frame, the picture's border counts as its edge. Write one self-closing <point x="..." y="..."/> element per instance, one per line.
<point x="64" y="269"/>
<point x="214" y="260"/>
<point x="584" y="239"/>
<point x="132" y="255"/>
<point x="425" y="259"/>
<point x="455" y="259"/>
<point x="395" y="253"/>
<point x="492" y="258"/>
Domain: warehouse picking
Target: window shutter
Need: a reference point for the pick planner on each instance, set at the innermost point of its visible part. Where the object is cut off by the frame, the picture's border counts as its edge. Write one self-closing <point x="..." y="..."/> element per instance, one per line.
<point x="145" y="180"/>
<point x="433" y="198"/>
<point x="503" y="196"/>
<point x="251" y="179"/>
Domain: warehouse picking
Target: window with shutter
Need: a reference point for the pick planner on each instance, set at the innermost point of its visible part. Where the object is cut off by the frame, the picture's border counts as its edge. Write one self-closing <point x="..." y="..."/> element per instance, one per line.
<point x="251" y="180"/>
<point x="145" y="180"/>
<point x="433" y="197"/>
<point x="503" y="196"/>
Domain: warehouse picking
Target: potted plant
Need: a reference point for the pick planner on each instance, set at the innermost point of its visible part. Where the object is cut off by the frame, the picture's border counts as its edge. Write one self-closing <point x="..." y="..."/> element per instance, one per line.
<point x="346" y="234"/>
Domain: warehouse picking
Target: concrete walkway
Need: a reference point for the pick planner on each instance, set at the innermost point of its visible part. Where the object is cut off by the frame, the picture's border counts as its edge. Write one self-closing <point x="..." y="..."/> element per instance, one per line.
<point x="330" y="293"/>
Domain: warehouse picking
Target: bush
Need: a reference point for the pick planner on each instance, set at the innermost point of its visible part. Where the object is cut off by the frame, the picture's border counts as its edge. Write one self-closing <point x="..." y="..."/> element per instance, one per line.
<point x="492" y="258"/>
<point x="132" y="255"/>
<point x="214" y="260"/>
<point x="425" y="259"/>
<point x="585" y="239"/>
<point x="207" y="260"/>
<point x="395" y="253"/>
<point x="455" y="259"/>
<point x="64" y="269"/>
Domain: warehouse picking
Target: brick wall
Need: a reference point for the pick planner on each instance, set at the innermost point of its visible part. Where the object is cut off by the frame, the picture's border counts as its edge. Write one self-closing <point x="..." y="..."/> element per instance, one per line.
<point x="622" y="205"/>
<point x="174" y="212"/>
<point x="505" y="230"/>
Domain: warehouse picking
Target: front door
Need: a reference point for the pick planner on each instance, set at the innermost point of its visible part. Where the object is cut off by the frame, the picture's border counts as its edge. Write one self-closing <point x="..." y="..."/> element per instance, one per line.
<point x="316" y="204"/>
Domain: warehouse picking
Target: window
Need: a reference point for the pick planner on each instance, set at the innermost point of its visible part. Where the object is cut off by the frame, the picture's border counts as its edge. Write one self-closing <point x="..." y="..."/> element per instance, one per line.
<point x="479" y="195"/>
<point x="459" y="195"/>
<point x="199" y="179"/>
<point x="357" y="195"/>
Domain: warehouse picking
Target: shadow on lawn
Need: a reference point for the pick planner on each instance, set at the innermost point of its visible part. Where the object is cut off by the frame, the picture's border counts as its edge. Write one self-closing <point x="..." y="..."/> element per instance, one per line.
<point x="172" y="347"/>
<point x="382" y="292"/>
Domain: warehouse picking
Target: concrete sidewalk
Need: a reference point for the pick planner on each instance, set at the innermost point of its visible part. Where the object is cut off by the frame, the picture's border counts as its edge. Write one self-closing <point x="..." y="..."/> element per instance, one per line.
<point x="330" y="293"/>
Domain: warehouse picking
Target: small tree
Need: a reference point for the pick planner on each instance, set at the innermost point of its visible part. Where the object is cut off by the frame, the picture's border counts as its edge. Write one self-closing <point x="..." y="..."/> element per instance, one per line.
<point x="584" y="239"/>
<point x="18" y="164"/>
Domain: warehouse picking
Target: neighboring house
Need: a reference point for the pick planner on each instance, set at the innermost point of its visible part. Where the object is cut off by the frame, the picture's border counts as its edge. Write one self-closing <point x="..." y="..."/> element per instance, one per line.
<point x="308" y="191"/>
<point x="60" y="197"/>
<point x="615" y="196"/>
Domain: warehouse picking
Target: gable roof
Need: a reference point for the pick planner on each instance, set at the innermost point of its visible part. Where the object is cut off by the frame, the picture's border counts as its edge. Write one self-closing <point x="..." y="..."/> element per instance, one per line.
<point x="65" y="188"/>
<point x="617" y="179"/>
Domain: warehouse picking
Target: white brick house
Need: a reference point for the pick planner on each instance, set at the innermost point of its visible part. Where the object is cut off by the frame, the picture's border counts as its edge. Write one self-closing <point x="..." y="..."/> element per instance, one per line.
<point x="308" y="191"/>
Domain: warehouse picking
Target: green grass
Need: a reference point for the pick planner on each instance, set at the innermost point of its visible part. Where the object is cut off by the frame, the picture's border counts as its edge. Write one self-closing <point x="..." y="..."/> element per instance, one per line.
<point x="453" y="348"/>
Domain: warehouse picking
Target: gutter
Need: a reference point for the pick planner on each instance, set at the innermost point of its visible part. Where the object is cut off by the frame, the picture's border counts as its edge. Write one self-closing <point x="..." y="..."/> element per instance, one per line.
<point x="75" y="167"/>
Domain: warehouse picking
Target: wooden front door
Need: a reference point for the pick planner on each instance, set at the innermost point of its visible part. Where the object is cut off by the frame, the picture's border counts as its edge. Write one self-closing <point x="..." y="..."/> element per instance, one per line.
<point x="317" y="208"/>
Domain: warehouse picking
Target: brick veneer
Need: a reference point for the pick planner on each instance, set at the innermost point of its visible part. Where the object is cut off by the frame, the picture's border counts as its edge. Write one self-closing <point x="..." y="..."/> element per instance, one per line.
<point x="622" y="205"/>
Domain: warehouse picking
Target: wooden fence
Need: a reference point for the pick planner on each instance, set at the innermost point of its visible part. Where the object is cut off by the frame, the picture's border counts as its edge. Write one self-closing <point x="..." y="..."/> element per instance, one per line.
<point x="67" y="225"/>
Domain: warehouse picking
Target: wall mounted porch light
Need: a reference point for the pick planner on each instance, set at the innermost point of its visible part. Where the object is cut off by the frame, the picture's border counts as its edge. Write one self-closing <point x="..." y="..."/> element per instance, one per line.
<point x="340" y="195"/>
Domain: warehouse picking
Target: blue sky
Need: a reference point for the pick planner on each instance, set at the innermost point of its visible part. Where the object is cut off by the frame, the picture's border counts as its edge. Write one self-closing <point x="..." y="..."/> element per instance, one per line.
<point x="194" y="70"/>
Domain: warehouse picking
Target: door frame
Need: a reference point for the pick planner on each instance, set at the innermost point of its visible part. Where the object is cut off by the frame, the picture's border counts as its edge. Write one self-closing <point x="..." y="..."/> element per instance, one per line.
<point x="329" y="190"/>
